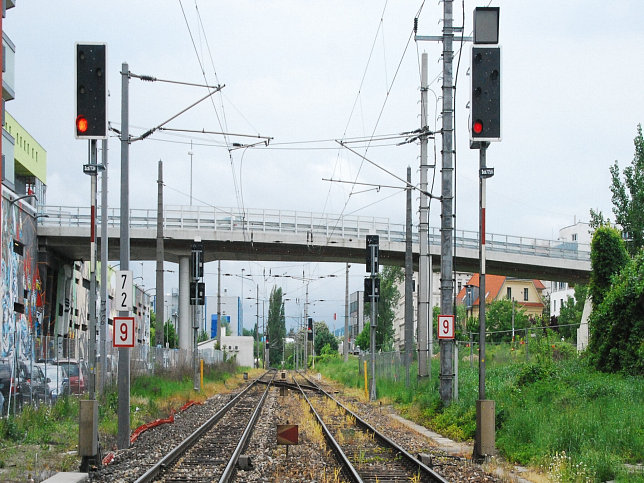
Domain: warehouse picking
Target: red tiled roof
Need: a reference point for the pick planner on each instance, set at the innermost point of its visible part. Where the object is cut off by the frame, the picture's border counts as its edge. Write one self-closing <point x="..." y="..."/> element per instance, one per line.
<point x="493" y="284"/>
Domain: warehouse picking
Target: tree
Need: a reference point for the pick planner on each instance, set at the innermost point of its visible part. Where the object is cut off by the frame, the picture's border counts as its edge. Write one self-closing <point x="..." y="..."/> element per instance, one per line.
<point x="616" y="341"/>
<point x="203" y="336"/>
<point x="389" y="298"/>
<point x="607" y="257"/>
<point x="323" y="337"/>
<point x="498" y="317"/>
<point x="628" y="196"/>
<point x="276" y="329"/>
<point x="170" y="335"/>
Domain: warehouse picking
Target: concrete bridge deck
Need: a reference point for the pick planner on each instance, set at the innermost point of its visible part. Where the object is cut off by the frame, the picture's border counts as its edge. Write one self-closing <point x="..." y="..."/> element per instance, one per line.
<point x="277" y="235"/>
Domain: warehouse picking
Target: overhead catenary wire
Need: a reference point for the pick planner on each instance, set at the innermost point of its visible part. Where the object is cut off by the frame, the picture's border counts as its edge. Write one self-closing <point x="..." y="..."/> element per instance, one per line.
<point x="355" y="102"/>
<point x="402" y="57"/>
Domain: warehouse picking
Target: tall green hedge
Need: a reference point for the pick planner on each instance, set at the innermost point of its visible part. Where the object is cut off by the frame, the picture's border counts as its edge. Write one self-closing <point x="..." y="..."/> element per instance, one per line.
<point x="607" y="257"/>
<point x="617" y="324"/>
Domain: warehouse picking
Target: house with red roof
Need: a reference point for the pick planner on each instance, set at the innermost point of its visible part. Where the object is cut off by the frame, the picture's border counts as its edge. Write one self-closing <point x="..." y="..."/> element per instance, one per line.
<point x="527" y="293"/>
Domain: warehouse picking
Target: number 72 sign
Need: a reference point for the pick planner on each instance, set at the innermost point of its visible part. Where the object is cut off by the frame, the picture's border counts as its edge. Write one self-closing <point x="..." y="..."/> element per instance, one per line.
<point x="445" y="326"/>
<point x="123" y="332"/>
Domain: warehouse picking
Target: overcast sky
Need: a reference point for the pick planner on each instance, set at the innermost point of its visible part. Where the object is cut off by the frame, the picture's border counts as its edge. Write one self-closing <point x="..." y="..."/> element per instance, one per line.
<point x="306" y="71"/>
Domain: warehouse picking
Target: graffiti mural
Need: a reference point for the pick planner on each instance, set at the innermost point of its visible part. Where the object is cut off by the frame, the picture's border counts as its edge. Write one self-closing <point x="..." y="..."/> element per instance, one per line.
<point x="20" y="283"/>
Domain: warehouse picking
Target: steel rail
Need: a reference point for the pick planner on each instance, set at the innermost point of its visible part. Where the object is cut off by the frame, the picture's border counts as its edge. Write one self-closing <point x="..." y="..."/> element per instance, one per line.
<point x="344" y="460"/>
<point x="232" y="463"/>
<point x="421" y="466"/>
<point x="182" y="447"/>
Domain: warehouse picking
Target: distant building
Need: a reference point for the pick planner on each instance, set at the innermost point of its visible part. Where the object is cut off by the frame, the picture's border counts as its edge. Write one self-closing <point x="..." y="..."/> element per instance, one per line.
<point x="238" y="347"/>
<point x="399" y="311"/>
<point x="231" y="311"/>
<point x="577" y="236"/>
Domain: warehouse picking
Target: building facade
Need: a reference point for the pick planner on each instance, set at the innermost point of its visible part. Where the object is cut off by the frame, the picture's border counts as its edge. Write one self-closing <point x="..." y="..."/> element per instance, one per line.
<point x="578" y="236"/>
<point x="527" y="293"/>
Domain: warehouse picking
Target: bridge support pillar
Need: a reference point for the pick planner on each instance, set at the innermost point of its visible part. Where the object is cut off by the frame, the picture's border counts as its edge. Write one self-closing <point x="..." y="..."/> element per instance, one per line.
<point x="185" y="324"/>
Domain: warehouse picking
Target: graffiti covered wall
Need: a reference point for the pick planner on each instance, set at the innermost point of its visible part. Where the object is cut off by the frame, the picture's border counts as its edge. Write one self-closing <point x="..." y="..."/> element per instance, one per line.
<point x="21" y="288"/>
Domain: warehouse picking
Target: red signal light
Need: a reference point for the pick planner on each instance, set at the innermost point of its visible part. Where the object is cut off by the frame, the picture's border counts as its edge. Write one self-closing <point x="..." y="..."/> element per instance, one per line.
<point x="477" y="127"/>
<point x="81" y="124"/>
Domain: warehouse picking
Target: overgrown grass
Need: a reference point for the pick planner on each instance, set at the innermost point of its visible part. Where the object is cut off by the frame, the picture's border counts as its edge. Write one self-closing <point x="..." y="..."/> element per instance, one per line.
<point x="556" y="412"/>
<point x="153" y="396"/>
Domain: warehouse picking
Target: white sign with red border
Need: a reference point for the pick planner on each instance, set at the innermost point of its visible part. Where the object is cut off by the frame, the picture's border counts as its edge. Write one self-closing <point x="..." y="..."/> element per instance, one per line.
<point x="445" y="326"/>
<point x="123" y="332"/>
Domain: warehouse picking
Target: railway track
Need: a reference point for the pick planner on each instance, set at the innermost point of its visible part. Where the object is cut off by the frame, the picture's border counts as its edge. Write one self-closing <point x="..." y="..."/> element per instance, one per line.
<point x="211" y="452"/>
<point x="365" y="454"/>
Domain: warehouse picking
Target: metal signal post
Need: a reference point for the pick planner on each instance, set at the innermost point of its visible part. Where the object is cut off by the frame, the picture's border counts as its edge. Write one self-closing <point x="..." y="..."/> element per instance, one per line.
<point x="372" y="290"/>
<point x="485" y="127"/>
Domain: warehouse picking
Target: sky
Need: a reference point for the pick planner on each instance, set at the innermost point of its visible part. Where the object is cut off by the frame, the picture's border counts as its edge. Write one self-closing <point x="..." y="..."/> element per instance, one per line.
<point x="308" y="73"/>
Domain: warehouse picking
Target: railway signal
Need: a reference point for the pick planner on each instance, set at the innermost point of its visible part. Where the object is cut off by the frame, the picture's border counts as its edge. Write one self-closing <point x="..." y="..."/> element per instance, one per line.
<point x="91" y="91"/>
<point x="485" y="127"/>
<point x="486" y="94"/>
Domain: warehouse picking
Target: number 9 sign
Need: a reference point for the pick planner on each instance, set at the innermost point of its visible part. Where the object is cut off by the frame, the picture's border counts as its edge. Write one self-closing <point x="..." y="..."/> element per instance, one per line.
<point x="123" y="332"/>
<point x="445" y="326"/>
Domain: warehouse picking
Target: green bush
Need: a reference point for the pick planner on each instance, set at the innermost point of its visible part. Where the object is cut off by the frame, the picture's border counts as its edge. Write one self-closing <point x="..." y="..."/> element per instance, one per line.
<point x="617" y="324"/>
<point x="559" y="413"/>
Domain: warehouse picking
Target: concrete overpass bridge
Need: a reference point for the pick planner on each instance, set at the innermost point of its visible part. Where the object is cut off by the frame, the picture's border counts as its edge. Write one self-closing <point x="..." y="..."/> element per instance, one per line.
<point x="285" y="235"/>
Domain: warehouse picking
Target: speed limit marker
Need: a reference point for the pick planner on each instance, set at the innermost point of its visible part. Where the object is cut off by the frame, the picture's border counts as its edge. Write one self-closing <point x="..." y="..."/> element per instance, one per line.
<point x="445" y="326"/>
<point x="123" y="332"/>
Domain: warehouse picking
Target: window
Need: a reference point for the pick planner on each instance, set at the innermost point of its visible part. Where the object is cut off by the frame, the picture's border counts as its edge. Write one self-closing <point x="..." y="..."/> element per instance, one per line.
<point x="525" y="295"/>
<point x="509" y="293"/>
<point x="554" y="305"/>
<point x="574" y="237"/>
<point x="18" y="248"/>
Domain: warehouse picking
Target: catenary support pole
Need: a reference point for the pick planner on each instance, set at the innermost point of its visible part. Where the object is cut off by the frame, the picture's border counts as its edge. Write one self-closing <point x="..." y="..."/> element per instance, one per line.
<point x="447" y="171"/>
<point x="123" y="437"/>
<point x="160" y="291"/>
<point x="409" y="279"/>
<point x="424" y="268"/>
<point x="345" y="345"/>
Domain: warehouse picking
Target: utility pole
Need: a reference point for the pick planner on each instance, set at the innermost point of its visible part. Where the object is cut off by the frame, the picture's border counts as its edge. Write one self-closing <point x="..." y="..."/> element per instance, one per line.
<point x="160" y="257"/>
<point x="409" y="275"/>
<point x="447" y="212"/>
<point x="306" y="321"/>
<point x="424" y="268"/>
<point x="345" y="345"/>
<point x="123" y="437"/>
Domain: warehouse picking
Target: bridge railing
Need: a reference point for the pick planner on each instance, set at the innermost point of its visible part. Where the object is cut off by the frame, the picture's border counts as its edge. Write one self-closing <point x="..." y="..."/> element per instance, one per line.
<point x="318" y="227"/>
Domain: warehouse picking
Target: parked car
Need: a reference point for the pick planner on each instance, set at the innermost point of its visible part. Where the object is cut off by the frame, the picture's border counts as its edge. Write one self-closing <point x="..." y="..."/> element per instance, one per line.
<point x="33" y="386"/>
<point x="8" y="384"/>
<point x="76" y="373"/>
<point x="25" y="385"/>
<point x="57" y="382"/>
